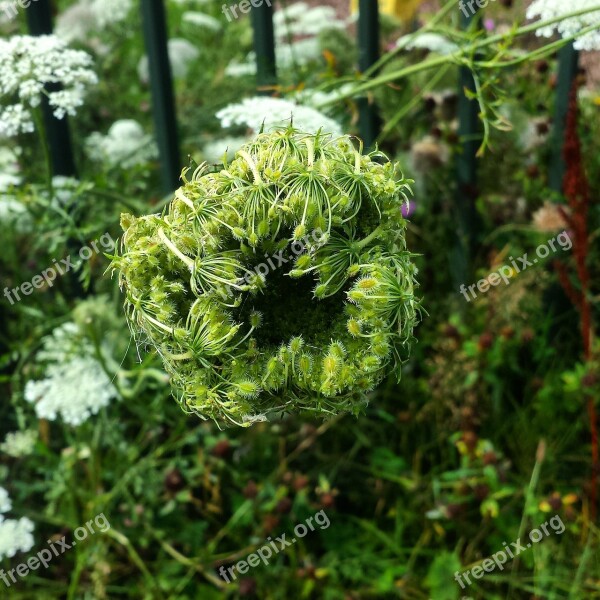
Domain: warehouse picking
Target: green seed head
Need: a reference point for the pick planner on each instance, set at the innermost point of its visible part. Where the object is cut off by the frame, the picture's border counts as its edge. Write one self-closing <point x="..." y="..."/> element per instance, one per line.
<point x="220" y="282"/>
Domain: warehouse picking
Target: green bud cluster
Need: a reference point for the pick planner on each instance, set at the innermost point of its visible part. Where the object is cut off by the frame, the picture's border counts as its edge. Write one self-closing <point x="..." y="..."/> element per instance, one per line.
<point x="316" y="334"/>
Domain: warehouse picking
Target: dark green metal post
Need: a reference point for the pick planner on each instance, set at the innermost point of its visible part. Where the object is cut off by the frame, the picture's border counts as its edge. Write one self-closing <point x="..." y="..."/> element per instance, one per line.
<point x="368" y="54"/>
<point x="469" y="132"/>
<point x="161" y="84"/>
<point x="568" y="60"/>
<point x="39" y="20"/>
<point x="264" y="46"/>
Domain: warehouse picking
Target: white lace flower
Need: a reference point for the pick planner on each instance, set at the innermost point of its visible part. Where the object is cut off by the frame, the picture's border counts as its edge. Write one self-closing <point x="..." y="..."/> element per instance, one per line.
<point x="7" y="181"/>
<point x="181" y="55"/>
<point x="125" y="146"/>
<point x="15" y="119"/>
<point x="75" y="385"/>
<point x="434" y="42"/>
<point x="14" y="215"/>
<point x="27" y="64"/>
<point x="214" y="151"/>
<point x="242" y="69"/>
<point x="316" y="98"/>
<point x="258" y="111"/>
<point x="300" y="52"/>
<point x="76" y="22"/>
<point x="550" y="9"/>
<point x="15" y="536"/>
<point x="109" y="12"/>
<point x="5" y="503"/>
<point x="18" y="444"/>
<point x="300" y="19"/>
<point x="202" y="20"/>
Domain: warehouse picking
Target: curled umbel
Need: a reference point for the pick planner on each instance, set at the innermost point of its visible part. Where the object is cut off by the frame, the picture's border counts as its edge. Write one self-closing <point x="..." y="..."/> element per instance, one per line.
<point x="277" y="282"/>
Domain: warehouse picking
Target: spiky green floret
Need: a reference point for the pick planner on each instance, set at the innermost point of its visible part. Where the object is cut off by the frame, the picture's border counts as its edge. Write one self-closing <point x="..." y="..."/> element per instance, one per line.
<point x="279" y="282"/>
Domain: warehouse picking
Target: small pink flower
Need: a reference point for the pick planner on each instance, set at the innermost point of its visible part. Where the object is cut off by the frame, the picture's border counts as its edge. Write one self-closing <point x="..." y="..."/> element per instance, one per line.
<point x="489" y="24"/>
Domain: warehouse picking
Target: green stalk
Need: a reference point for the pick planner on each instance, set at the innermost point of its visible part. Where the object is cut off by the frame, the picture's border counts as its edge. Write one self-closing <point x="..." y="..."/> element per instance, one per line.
<point x="450" y="6"/>
<point x="39" y="124"/>
<point x="414" y="102"/>
<point x="459" y="57"/>
<point x="366" y="241"/>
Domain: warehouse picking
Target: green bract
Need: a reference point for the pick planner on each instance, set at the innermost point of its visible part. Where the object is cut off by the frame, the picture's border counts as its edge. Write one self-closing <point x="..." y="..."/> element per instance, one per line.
<point x="281" y="282"/>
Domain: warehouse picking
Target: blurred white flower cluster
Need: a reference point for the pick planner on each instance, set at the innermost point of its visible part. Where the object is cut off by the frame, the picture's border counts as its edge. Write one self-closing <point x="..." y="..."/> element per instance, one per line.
<point x="111" y="11"/>
<point x="434" y="42"/>
<point x="214" y="151"/>
<point x="201" y="19"/>
<point x="75" y="384"/>
<point x="13" y="214"/>
<point x="125" y="146"/>
<point x="181" y="55"/>
<point x="19" y="443"/>
<point x="260" y="111"/>
<point x="15" y="535"/>
<point x="550" y="9"/>
<point x="301" y="19"/>
<point x="27" y="64"/>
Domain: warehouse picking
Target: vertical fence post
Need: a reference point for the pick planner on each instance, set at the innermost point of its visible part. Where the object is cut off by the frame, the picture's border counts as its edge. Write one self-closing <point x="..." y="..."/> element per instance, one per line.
<point x="568" y="59"/>
<point x="39" y="21"/>
<point x="466" y="169"/>
<point x="264" y="47"/>
<point x="161" y="84"/>
<point x="368" y="54"/>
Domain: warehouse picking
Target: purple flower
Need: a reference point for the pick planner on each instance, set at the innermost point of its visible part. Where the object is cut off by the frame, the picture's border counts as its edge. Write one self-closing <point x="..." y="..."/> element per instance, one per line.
<point x="408" y="209"/>
<point x="489" y="24"/>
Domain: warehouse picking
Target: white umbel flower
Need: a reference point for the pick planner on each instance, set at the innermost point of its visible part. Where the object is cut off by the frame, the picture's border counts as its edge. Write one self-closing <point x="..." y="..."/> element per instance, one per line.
<point x="76" y="22"/>
<point x="19" y="444"/>
<point x="300" y="52"/>
<point x="255" y="112"/>
<point x="126" y="145"/>
<point x="75" y="384"/>
<point x="109" y="12"/>
<point x="301" y="19"/>
<point x="242" y="69"/>
<point x="434" y="42"/>
<point x="15" y="536"/>
<point x="5" y="503"/>
<point x="181" y="56"/>
<point x="27" y="64"/>
<point x="214" y="151"/>
<point x="550" y="9"/>
<point x="201" y="19"/>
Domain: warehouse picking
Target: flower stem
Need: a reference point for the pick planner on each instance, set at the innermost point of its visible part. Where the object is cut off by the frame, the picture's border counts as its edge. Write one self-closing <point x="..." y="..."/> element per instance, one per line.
<point x="39" y="124"/>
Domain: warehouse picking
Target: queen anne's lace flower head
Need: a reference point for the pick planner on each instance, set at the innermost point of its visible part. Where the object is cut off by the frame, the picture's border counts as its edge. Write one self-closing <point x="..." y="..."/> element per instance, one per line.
<point x="434" y="42"/>
<point x="75" y="384"/>
<point x="27" y="65"/>
<point x="19" y="443"/>
<point x="125" y="146"/>
<point x="278" y="282"/>
<point x="550" y="9"/>
<point x="76" y="22"/>
<point x="15" y="536"/>
<point x="201" y="19"/>
<point x="181" y="56"/>
<point x="260" y="111"/>
<point x="5" y="503"/>
<point x="301" y="19"/>
<point x="109" y="12"/>
<point x="214" y="151"/>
